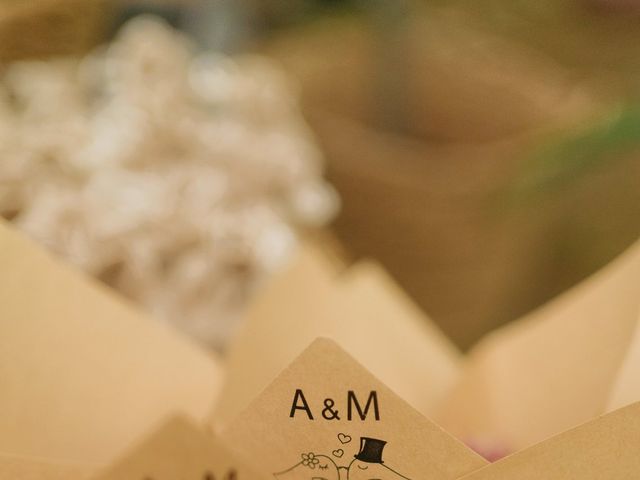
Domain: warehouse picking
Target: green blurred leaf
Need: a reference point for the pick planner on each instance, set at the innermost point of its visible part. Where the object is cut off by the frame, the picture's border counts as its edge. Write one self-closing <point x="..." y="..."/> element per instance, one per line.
<point x="561" y="161"/>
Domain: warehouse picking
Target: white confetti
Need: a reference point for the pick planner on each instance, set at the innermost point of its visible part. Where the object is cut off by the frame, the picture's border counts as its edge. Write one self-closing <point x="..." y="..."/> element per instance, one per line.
<point x="178" y="179"/>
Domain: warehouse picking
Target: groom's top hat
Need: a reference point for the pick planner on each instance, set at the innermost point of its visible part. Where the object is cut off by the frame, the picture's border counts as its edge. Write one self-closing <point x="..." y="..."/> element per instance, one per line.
<point x="370" y="450"/>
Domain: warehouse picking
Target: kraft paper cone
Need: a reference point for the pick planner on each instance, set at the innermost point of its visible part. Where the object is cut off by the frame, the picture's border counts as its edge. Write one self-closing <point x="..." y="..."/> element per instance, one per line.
<point x="83" y="374"/>
<point x="420" y="362"/>
<point x="605" y="448"/>
<point x="326" y="416"/>
<point x="555" y="368"/>
<point x="179" y="449"/>
<point x="363" y="309"/>
<point x="19" y="468"/>
<point x="286" y="307"/>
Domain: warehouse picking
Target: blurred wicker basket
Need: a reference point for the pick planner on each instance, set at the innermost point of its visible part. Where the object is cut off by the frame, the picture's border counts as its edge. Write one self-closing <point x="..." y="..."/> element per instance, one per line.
<point x="41" y="28"/>
<point x="426" y="200"/>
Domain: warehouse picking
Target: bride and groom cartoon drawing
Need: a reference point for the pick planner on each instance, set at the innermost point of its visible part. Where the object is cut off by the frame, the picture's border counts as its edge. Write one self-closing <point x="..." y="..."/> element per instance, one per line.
<point x="367" y="464"/>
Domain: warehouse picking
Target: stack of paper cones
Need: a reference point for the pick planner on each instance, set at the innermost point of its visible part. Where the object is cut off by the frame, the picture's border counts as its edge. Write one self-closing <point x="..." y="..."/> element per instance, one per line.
<point x="335" y="375"/>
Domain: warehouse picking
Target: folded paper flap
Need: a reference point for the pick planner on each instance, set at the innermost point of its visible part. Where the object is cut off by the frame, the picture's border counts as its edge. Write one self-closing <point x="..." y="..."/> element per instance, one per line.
<point x="274" y="323"/>
<point x="362" y="309"/>
<point x="419" y="361"/>
<point x="606" y="447"/>
<point x="383" y="297"/>
<point x="626" y="385"/>
<point x="327" y="410"/>
<point x="180" y="449"/>
<point x="23" y="468"/>
<point x="573" y="347"/>
<point x="82" y="373"/>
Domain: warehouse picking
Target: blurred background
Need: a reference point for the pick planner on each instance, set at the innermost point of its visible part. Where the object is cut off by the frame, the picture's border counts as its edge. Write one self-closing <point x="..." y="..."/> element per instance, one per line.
<point x="486" y="153"/>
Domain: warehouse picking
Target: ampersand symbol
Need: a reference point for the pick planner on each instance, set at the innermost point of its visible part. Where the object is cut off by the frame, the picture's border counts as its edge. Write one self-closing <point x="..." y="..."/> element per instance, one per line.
<point x="328" y="412"/>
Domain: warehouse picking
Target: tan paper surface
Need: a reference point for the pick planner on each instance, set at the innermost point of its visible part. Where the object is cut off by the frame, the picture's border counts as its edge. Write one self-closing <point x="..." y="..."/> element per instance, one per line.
<point x="626" y="387"/>
<point x="81" y="373"/>
<point x="603" y="449"/>
<point x="180" y="450"/>
<point x="285" y="309"/>
<point x="397" y="341"/>
<point x="555" y="368"/>
<point x="327" y="417"/>
<point x="19" y="468"/>
<point x="363" y="309"/>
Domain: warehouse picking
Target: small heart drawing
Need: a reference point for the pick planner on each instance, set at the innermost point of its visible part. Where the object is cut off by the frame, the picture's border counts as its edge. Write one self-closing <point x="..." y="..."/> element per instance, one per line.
<point x="338" y="453"/>
<point x="344" y="438"/>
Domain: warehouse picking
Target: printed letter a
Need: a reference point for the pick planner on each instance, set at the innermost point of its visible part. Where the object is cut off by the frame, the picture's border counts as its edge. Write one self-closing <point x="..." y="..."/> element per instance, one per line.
<point x="299" y="398"/>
